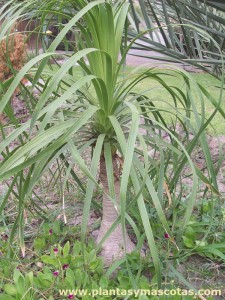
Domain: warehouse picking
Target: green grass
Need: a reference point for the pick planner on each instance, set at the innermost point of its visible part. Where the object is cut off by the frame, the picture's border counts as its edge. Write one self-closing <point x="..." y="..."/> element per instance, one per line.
<point x="161" y="97"/>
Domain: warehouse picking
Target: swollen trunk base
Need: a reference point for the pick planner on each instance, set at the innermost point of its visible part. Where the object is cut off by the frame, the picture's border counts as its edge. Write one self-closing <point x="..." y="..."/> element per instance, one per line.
<point x="116" y="246"/>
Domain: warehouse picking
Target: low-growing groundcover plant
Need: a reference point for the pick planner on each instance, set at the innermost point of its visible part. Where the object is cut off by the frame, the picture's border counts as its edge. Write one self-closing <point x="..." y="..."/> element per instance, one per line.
<point x="100" y="110"/>
<point x="59" y="268"/>
<point x="58" y="271"/>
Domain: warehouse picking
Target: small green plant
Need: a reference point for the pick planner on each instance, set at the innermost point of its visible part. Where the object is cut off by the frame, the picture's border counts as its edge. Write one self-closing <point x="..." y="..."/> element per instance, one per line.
<point x="56" y="266"/>
<point x="204" y="234"/>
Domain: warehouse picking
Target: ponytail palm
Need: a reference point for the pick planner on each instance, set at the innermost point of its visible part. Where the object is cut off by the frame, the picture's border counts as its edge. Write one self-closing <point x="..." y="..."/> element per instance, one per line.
<point x="101" y="110"/>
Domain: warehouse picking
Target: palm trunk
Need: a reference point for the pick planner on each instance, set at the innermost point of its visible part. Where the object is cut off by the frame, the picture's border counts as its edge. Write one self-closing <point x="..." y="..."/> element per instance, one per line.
<point x="114" y="247"/>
